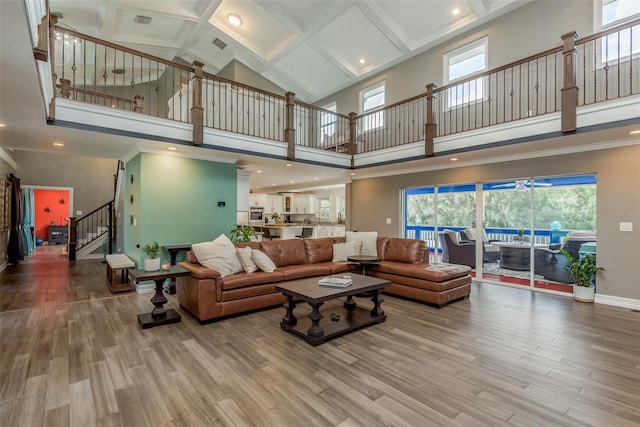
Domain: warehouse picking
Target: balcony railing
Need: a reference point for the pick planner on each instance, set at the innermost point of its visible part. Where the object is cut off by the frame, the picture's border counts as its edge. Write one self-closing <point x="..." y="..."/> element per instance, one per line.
<point x="598" y="68"/>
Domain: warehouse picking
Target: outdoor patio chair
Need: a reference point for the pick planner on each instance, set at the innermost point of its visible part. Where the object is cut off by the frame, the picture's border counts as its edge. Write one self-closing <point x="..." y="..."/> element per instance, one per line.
<point x="456" y="252"/>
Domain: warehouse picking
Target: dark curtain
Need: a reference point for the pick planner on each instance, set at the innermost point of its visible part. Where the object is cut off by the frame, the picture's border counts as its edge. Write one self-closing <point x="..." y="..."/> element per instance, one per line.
<point x="15" y="250"/>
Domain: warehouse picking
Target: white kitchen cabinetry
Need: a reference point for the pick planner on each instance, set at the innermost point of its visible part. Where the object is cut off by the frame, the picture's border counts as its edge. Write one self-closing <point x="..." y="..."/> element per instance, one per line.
<point x="274" y="204"/>
<point x="243" y="190"/>
<point x="258" y="200"/>
<point x="304" y="204"/>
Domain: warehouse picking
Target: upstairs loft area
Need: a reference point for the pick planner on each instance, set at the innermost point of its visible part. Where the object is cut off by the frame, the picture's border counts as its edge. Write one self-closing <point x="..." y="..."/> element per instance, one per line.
<point x="587" y="83"/>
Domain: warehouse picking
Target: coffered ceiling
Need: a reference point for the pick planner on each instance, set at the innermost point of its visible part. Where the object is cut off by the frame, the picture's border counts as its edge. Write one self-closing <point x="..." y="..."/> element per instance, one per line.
<point x="310" y="47"/>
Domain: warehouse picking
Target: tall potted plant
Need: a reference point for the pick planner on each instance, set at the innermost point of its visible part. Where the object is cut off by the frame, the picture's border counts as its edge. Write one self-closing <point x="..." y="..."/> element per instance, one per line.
<point x="583" y="270"/>
<point x="152" y="256"/>
<point x="243" y="233"/>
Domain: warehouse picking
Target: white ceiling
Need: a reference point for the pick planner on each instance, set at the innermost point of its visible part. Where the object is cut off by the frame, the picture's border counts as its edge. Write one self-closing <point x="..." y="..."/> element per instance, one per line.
<point x="309" y="47"/>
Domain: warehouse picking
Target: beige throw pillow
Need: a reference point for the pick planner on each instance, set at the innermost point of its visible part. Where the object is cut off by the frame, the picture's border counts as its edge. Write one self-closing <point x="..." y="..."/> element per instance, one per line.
<point x="244" y="255"/>
<point x="217" y="255"/>
<point x="341" y="251"/>
<point x="369" y="241"/>
<point x="263" y="261"/>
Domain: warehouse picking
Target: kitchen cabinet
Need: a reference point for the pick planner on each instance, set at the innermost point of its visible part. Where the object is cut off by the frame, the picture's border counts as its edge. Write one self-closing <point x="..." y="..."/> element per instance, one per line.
<point x="258" y="200"/>
<point x="274" y="203"/>
<point x="243" y="190"/>
<point x="303" y="204"/>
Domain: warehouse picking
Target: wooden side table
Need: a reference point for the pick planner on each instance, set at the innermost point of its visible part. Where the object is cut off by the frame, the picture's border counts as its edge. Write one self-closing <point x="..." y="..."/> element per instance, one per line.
<point x="363" y="261"/>
<point x="159" y="315"/>
<point x="174" y="250"/>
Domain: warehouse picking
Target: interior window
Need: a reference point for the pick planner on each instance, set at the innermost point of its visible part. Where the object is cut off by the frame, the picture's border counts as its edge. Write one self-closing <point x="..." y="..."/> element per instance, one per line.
<point x="372" y="98"/>
<point x="461" y="63"/>
<point x="328" y="121"/>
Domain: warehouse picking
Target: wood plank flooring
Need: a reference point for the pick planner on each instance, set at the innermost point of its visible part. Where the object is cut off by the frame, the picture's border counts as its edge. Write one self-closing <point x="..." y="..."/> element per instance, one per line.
<point x="73" y="354"/>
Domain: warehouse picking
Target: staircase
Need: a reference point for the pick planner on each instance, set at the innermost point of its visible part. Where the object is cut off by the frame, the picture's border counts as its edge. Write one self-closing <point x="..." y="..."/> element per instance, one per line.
<point x="97" y="228"/>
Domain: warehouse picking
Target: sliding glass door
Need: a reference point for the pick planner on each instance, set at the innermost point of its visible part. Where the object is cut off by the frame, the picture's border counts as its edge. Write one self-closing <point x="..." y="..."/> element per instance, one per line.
<point x="520" y="232"/>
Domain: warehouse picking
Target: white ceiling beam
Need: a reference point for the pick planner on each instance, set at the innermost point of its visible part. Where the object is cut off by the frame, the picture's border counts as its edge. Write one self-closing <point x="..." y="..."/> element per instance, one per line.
<point x="329" y="13"/>
<point x="382" y="23"/>
<point x="478" y="7"/>
<point x="205" y="16"/>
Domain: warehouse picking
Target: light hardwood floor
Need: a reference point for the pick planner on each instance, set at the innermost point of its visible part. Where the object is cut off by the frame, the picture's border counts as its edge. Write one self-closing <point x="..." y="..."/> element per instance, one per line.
<point x="73" y="354"/>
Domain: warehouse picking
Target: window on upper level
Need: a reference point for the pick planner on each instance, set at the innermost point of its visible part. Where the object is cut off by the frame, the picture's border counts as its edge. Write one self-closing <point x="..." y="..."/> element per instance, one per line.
<point x="623" y="44"/>
<point x="327" y="120"/>
<point x="324" y="206"/>
<point x="461" y="63"/>
<point x="372" y="98"/>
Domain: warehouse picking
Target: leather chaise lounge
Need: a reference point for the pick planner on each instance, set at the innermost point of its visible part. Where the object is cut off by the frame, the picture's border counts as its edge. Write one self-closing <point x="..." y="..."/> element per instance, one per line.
<point x="404" y="262"/>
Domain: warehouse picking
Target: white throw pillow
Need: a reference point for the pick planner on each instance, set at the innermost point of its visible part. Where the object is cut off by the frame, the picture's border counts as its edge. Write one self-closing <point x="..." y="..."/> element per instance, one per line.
<point x="341" y="251"/>
<point x="369" y="241"/>
<point x="224" y="241"/>
<point x="263" y="261"/>
<point x="219" y="256"/>
<point x="244" y="255"/>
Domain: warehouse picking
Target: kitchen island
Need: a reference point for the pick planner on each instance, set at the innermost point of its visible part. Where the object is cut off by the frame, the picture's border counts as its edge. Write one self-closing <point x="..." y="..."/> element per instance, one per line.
<point x="290" y="231"/>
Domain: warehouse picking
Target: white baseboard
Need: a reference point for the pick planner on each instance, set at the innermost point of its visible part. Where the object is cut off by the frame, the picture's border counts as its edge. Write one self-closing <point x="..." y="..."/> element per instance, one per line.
<point x="633" y="304"/>
<point x="3" y="266"/>
<point x="145" y="288"/>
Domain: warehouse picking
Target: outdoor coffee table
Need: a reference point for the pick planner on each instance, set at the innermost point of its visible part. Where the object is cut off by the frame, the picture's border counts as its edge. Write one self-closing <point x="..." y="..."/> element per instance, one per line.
<point x="351" y="317"/>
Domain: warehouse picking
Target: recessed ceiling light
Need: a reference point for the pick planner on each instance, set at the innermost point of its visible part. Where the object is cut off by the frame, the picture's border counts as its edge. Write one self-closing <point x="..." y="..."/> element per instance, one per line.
<point x="362" y="61"/>
<point x="172" y="148"/>
<point x="292" y="182"/>
<point x="455" y="11"/>
<point x="288" y="165"/>
<point x="352" y="173"/>
<point x="315" y="177"/>
<point x="234" y="20"/>
<point x="258" y="171"/>
<point x="58" y="144"/>
<point x="633" y="132"/>
<point x="273" y="185"/>
<point x="454" y="159"/>
<point x="2" y="125"/>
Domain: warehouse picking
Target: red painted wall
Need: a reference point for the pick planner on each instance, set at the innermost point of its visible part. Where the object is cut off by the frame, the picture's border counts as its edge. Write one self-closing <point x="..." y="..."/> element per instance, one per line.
<point x="58" y="211"/>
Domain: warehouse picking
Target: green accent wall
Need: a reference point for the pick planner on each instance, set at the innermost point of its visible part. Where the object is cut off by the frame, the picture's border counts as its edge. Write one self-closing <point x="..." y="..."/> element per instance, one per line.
<point x="175" y="201"/>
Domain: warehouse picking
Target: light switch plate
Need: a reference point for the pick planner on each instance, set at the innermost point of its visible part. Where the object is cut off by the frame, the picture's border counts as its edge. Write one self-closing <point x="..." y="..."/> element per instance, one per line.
<point x="78" y="213"/>
<point x="388" y="220"/>
<point x="626" y="226"/>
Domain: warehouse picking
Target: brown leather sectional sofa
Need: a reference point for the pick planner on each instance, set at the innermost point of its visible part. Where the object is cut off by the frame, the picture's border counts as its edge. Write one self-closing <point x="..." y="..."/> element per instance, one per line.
<point x="404" y="262"/>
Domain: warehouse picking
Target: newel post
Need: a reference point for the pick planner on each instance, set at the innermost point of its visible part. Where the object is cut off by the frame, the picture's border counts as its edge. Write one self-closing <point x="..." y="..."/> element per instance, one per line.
<point x="290" y="129"/>
<point x="569" y="92"/>
<point x="73" y="238"/>
<point x="53" y="20"/>
<point x="353" y="133"/>
<point x="197" y="111"/>
<point x="430" y="124"/>
<point x="41" y="52"/>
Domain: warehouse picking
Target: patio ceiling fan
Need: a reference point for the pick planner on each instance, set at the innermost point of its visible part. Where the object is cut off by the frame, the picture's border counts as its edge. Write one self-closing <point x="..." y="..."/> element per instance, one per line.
<point x="522" y="184"/>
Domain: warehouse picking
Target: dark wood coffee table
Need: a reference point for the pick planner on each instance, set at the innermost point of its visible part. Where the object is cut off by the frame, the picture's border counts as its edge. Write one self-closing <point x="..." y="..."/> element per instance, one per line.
<point x="352" y="317"/>
<point x="159" y="315"/>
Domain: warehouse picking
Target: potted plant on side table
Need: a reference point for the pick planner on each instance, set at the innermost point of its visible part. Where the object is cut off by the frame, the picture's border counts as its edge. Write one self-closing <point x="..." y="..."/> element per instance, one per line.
<point x="152" y="254"/>
<point x="243" y="233"/>
<point x="583" y="272"/>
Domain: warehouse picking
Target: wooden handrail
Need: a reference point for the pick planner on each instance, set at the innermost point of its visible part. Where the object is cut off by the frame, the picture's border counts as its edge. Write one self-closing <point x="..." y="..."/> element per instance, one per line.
<point x="99" y="94"/>
<point x="122" y="48"/>
<point x="234" y="83"/>
<point x="596" y="36"/>
<point x="315" y="107"/>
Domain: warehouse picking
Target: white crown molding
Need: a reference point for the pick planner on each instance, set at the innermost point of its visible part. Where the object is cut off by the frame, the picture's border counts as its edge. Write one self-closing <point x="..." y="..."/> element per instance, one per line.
<point x="8" y="159"/>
